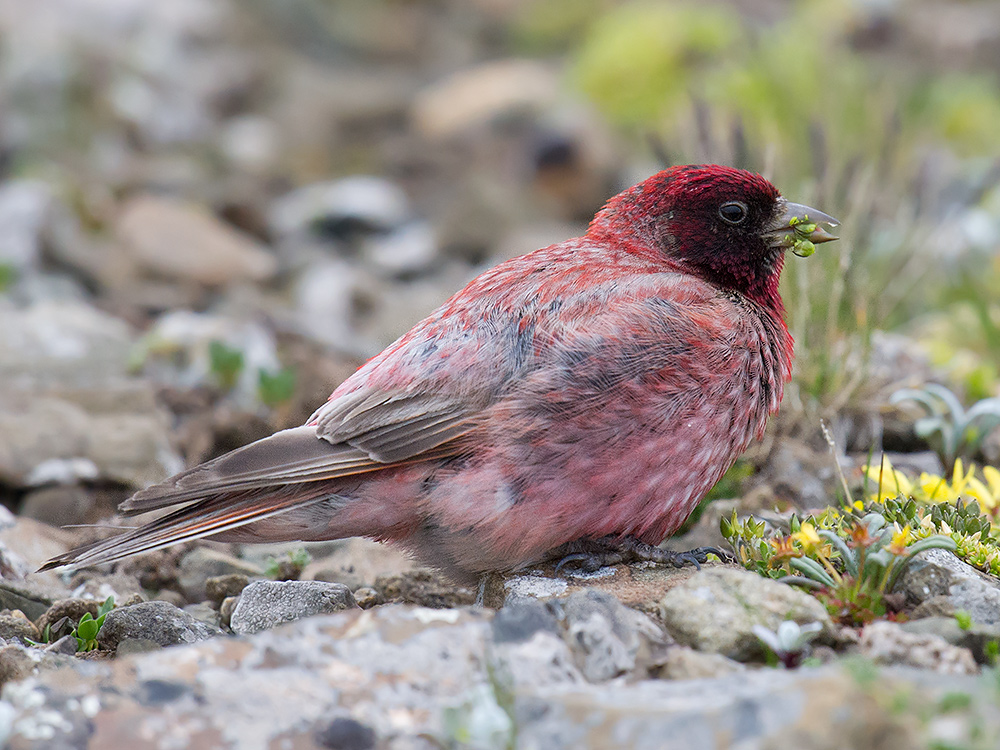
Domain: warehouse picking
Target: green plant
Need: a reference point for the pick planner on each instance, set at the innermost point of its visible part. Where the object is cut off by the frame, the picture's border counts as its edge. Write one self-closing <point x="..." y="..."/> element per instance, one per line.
<point x="950" y="429"/>
<point x="225" y="363"/>
<point x="274" y="389"/>
<point x="849" y="562"/>
<point x="8" y="275"/>
<point x="89" y="627"/>
<point x="290" y="567"/>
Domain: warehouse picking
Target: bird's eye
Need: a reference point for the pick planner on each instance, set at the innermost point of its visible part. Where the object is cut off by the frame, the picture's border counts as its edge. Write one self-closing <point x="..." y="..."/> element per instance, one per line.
<point x="733" y="212"/>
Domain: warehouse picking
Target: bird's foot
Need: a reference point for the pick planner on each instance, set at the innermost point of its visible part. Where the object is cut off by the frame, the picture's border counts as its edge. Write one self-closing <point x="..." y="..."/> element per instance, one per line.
<point x="590" y="555"/>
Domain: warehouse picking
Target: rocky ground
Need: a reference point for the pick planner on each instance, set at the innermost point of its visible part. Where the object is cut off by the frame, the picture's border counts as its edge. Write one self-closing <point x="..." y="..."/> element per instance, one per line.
<point x="210" y="214"/>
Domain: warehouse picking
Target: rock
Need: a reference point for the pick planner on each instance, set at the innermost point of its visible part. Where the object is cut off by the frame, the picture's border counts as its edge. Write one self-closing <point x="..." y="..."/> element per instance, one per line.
<point x="60" y="505"/>
<point x="16" y="625"/>
<point x="716" y="609"/>
<point x="938" y="573"/>
<point x="34" y="602"/>
<point x="226" y="611"/>
<point x="335" y="210"/>
<point x="978" y="639"/>
<point x="266" y="604"/>
<point x="322" y="681"/>
<point x="60" y="343"/>
<point x="51" y="439"/>
<point x="529" y="647"/>
<point x="184" y="242"/>
<point x="609" y="639"/>
<point x="24" y="209"/>
<point x="425" y="588"/>
<point x="410" y="250"/>
<point x="367" y="597"/>
<point x="344" y="734"/>
<point x="358" y="562"/>
<point x="218" y="588"/>
<point x="160" y="622"/>
<point x="16" y="663"/>
<point x="129" y="646"/>
<point x="203" y="563"/>
<point x="73" y="609"/>
<point x="683" y="663"/>
<point x="67" y="646"/>
<point x="479" y="94"/>
<point x="640" y="586"/>
<point x="204" y="612"/>
<point x="887" y="643"/>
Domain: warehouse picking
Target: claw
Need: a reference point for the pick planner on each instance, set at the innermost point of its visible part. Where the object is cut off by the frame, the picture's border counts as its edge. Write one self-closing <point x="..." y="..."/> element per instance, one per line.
<point x="571" y="558"/>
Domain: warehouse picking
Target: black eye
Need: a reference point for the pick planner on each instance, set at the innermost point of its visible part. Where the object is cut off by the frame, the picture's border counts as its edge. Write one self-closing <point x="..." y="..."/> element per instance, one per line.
<point x="733" y="212"/>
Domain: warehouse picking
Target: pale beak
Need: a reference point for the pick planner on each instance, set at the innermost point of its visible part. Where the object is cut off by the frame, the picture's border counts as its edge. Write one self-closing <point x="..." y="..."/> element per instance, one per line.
<point x="796" y="226"/>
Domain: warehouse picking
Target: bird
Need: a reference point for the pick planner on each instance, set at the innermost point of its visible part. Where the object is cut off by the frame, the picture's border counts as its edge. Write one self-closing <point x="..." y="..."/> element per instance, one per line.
<point x="579" y="400"/>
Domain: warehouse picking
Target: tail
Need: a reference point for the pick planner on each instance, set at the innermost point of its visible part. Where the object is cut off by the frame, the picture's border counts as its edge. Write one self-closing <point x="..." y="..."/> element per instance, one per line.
<point x="212" y="516"/>
<point x="290" y="470"/>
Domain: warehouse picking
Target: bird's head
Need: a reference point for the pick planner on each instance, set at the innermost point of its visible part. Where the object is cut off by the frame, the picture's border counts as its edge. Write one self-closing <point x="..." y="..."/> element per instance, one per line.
<point x="725" y="225"/>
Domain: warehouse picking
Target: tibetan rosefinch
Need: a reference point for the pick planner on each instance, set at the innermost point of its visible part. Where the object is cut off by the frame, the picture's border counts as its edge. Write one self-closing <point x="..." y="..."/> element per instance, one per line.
<point x="583" y="397"/>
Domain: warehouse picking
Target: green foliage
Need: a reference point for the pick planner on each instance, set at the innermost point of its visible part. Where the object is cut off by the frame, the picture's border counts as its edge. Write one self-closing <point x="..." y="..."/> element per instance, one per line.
<point x="964" y="620"/>
<point x="89" y="627"/>
<point x="948" y="427"/>
<point x="274" y="389"/>
<point x="849" y="561"/>
<point x="290" y="567"/>
<point x="640" y="60"/>
<point x="225" y="363"/>
<point x="8" y="275"/>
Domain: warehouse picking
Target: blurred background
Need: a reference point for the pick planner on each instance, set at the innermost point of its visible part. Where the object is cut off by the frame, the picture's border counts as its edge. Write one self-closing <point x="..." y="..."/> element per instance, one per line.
<point x="212" y="211"/>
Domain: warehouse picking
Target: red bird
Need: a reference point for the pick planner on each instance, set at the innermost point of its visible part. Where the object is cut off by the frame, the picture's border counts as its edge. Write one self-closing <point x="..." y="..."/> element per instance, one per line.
<point x="582" y="398"/>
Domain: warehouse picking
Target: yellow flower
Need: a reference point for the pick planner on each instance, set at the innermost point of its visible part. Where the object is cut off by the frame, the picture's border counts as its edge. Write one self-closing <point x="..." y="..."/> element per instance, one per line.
<point x="889" y="483"/>
<point x="934" y="488"/>
<point x="900" y="538"/>
<point x="807" y="537"/>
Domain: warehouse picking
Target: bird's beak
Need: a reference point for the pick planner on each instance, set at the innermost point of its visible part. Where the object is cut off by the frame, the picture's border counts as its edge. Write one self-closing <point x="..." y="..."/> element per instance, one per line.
<point x="797" y="227"/>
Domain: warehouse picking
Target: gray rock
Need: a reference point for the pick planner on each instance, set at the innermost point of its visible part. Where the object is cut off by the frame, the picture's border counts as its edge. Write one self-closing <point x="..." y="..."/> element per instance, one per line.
<point x="938" y="573"/>
<point x="218" y="588"/>
<point x="160" y="622"/>
<point x="128" y="646"/>
<point x="61" y="343"/>
<point x="16" y="625"/>
<point x="358" y="203"/>
<point x="344" y="734"/>
<point x="66" y="645"/>
<point x="32" y="602"/>
<point x="203" y="563"/>
<point x="24" y="208"/>
<point x="59" y="505"/>
<point x="887" y="643"/>
<point x="266" y="604"/>
<point x="17" y="663"/>
<point x="203" y="612"/>
<point x="608" y="638"/>
<point x="977" y="638"/>
<point x="716" y="609"/>
<point x="683" y="663"/>
<point x="48" y="439"/>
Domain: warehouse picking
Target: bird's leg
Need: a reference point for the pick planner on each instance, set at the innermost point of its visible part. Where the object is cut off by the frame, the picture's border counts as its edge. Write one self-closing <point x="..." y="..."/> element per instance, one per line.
<point x="593" y="554"/>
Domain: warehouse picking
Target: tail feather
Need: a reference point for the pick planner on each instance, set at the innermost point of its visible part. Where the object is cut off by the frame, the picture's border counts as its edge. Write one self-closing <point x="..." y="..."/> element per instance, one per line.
<point x="208" y="517"/>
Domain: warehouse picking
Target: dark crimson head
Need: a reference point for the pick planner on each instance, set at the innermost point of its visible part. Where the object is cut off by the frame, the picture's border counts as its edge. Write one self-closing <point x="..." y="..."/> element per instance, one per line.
<point x="727" y="226"/>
